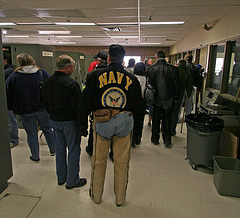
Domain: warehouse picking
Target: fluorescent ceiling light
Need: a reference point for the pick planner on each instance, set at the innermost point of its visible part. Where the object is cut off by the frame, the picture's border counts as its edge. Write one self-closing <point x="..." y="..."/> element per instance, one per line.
<point x="125" y="37"/>
<point x="4" y="31"/>
<point x="37" y="23"/>
<point x="95" y="37"/>
<point x="42" y="36"/>
<point x="54" y="32"/>
<point x="162" y="23"/>
<point x="69" y="36"/>
<point x="151" y="43"/>
<point x="74" y="24"/>
<point x="69" y="43"/>
<point x="154" y="36"/>
<point x="7" y="24"/>
<point x="16" y="36"/>
<point x="117" y="24"/>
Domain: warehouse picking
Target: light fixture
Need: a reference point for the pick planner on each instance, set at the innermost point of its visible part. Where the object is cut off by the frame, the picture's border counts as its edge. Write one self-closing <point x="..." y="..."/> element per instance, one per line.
<point x="37" y="23"/>
<point x="125" y="37"/>
<point x="16" y="36"/>
<point x="163" y="23"/>
<point x="53" y="32"/>
<point x="40" y="36"/>
<point x="151" y="43"/>
<point x="68" y="36"/>
<point x="7" y="24"/>
<point x="117" y="24"/>
<point x="74" y="24"/>
<point x="66" y="43"/>
<point x="95" y="37"/>
<point x="4" y="31"/>
<point x="154" y="36"/>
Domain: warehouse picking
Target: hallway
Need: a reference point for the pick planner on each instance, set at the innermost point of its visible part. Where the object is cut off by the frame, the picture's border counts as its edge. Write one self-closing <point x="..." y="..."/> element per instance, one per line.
<point x="161" y="184"/>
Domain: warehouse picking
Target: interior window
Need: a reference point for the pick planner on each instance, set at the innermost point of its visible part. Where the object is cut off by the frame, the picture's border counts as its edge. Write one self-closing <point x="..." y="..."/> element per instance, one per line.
<point x="217" y="74"/>
<point x="126" y="59"/>
<point x="234" y="73"/>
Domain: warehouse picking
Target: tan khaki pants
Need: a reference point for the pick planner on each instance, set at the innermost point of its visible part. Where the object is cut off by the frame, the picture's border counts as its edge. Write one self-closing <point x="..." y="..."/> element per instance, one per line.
<point x="121" y="157"/>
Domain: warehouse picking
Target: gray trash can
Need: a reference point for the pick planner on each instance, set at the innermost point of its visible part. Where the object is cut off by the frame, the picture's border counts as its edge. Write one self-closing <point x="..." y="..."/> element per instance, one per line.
<point x="203" y="139"/>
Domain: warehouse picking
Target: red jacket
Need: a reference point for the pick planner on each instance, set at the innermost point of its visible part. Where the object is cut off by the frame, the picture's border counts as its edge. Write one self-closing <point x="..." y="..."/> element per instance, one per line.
<point x="92" y="66"/>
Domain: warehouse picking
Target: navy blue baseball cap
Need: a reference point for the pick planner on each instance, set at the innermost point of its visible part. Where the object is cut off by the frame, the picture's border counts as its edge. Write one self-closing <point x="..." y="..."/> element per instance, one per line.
<point x="116" y="50"/>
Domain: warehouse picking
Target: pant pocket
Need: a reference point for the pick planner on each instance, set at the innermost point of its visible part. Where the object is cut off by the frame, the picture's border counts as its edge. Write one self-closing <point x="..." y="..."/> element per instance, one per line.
<point x="124" y="124"/>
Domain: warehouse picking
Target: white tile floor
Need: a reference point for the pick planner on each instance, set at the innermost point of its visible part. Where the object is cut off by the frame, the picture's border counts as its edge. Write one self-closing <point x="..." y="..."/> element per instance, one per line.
<point x="161" y="184"/>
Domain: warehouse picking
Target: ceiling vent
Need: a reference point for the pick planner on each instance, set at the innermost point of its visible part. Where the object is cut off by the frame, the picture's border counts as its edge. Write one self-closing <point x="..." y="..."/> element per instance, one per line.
<point x="112" y="29"/>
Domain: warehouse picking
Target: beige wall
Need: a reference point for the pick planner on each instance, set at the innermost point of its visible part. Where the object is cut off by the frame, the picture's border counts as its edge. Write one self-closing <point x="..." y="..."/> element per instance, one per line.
<point x="226" y="28"/>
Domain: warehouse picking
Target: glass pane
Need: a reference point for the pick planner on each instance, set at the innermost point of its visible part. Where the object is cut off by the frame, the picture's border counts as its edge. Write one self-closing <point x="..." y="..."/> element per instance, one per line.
<point x="234" y="73"/>
<point x="217" y="75"/>
<point x="126" y="59"/>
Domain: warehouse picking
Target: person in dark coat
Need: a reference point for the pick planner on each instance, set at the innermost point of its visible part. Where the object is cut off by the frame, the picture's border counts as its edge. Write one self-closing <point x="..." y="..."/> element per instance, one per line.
<point x="62" y="96"/>
<point x="114" y="97"/>
<point x="24" y="99"/>
<point x="165" y="80"/>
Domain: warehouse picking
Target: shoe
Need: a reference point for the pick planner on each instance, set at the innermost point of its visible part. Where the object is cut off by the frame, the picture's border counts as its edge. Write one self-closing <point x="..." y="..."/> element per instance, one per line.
<point x="111" y="155"/>
<point x="173" y="133"/>
<point x="133" y="145"/>
<point x="155" y="142"/>
<point x="133" y="142"/>
<point x="13" y="144"/>
<point x="88" y="151"/>
<point x="149" y="124"/>
<point x="34" y="160"/>
<point x="168" y="145"/>
<point x="52" y="153"/>
<point x="138" y="140"/>
<point x="119" y="205"/>
<point x="61" y="183"/>
<point x="90" y="193"/>
<point x="82" y="182"/>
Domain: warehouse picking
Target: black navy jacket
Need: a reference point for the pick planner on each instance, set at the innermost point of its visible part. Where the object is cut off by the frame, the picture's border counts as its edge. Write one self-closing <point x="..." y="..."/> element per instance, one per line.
<point x="111" y="87"/>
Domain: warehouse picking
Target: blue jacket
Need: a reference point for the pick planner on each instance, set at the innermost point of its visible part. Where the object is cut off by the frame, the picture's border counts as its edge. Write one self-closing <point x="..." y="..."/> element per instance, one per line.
<point x="24" y="90"/>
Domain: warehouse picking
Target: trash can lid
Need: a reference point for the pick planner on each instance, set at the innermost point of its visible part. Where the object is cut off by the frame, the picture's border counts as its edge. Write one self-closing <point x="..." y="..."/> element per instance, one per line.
<point x="204" y="122"/>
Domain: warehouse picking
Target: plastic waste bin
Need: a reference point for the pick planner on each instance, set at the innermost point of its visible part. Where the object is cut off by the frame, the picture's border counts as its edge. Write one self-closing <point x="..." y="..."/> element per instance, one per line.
<point x="203" y="139"/>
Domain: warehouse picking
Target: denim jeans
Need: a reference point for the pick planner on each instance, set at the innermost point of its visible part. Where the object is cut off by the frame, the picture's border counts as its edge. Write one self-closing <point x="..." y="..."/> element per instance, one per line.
<point x="120" y="125"/>
<point x="116" y="131"/>
<point x="29" y="122"/>
<point x="176" y="112"/>
<point x="67" y="135"/>
<point x="13" y="128"/>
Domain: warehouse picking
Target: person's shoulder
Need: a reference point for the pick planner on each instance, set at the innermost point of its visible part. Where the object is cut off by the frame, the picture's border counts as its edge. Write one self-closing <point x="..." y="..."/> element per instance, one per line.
<point x="43" y="71"/>
<point x="9" y="70"/>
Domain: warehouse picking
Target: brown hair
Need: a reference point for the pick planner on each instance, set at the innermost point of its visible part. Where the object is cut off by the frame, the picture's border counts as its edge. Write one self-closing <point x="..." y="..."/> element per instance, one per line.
<point x="25" y="59"/>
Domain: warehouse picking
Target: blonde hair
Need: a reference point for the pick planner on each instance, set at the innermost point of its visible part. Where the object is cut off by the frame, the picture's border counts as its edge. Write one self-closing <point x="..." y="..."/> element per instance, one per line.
<point x="25" y="59"/>
<point x="63" y="60"/>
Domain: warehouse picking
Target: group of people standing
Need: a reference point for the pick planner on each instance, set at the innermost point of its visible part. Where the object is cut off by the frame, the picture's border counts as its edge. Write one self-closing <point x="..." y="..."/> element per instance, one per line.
<point x="113" y="99"/>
